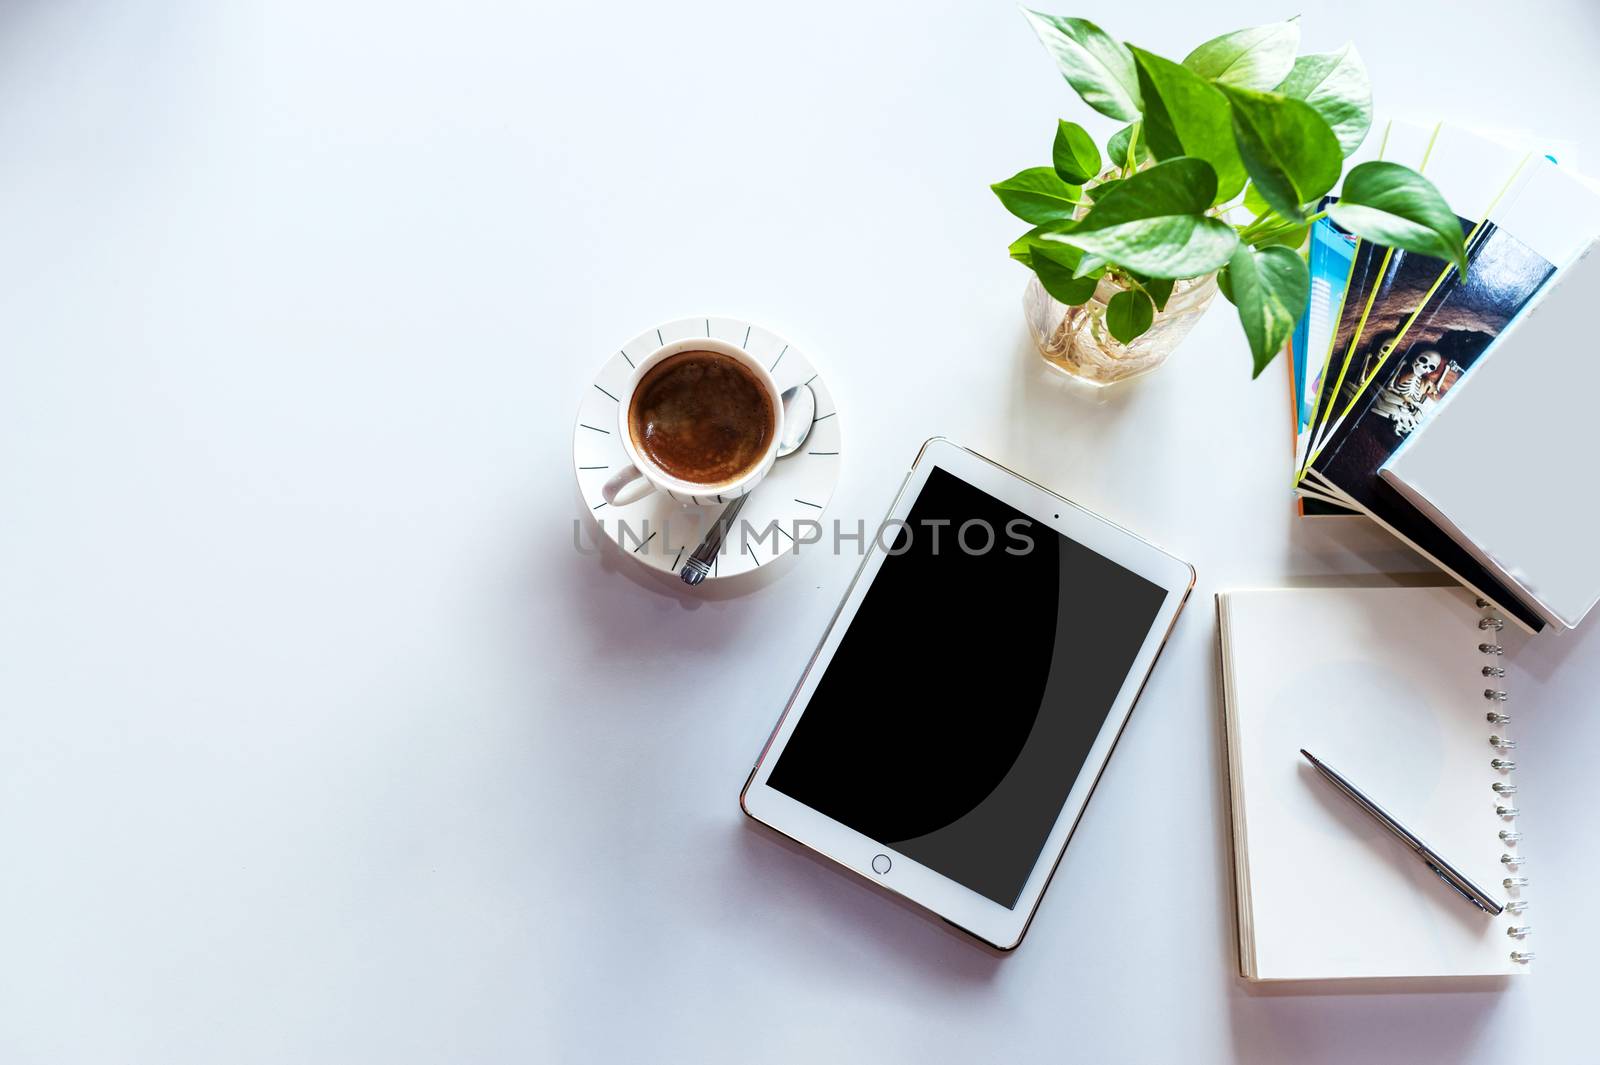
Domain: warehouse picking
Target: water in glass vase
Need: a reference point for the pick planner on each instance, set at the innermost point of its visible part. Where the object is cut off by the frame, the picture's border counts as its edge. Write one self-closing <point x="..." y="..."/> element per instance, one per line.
<point x="1075" y="340"/>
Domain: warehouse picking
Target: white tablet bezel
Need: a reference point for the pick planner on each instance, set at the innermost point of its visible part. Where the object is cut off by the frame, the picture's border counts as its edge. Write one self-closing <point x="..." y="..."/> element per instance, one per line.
<point x="997" y="925"/>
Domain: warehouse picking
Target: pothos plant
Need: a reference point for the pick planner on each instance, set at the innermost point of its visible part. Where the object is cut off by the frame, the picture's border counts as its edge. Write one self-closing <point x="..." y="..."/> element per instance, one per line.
<point x="1220" y="169"/>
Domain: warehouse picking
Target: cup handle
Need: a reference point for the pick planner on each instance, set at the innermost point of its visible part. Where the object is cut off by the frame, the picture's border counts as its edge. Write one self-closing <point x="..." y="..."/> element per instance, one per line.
<point x="626" y="486"/>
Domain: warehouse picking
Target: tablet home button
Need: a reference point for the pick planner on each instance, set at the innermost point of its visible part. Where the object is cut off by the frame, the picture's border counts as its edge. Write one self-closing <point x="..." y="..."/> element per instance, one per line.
<point x="880" y="864"/>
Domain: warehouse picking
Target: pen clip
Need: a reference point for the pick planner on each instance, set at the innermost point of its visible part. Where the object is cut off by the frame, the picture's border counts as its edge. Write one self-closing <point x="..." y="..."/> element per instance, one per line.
<point x="1454" y="886"/>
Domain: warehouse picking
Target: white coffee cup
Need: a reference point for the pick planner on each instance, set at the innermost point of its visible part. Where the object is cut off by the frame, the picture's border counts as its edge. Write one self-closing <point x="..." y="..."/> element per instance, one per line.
<point x="642" y="476"/>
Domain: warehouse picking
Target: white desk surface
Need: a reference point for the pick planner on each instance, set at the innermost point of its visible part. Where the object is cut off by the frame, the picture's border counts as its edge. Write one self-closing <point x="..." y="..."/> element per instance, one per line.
<point x="319" y="741"/>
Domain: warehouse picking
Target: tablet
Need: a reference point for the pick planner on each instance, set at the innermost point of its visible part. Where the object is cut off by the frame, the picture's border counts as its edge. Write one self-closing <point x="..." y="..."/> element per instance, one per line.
<point x="948" y="732"/>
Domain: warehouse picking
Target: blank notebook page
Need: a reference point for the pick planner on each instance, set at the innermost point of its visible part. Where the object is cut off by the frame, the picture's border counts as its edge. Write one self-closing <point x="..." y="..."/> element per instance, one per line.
<point x="1386" y="686"/>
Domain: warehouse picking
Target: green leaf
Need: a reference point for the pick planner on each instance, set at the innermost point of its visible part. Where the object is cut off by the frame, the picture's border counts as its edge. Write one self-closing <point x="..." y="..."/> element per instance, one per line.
<point x="1176" y="186"/>
<point x="1394" y="205"/>
<point x="1097" y="67"/>
<point x="1128" y="314"/>
<point x="1057" y="265"/>
<point x="1117" y="148"/>
<point x="1092" y="266"/>
<point x="1187" y="115"/>
<point x="1270" y="288"/>
<point x="1102" y="190"/>
<point x="1075" y="156"/>
<point x="1225" y="285"/>
<point x="1269" y="227"/>
<point x="1153" y="223"/>
<point x="1336" y="86"/>
<point x="1288" y="235"/>
<point x="1038" y="195"/>
<point x="1291" y="154"/>
<point x="1257" y="58"/>
<point x="1159" y="289"/>
<point x="1020" y="250"/>
<point x="1253" y="201"/>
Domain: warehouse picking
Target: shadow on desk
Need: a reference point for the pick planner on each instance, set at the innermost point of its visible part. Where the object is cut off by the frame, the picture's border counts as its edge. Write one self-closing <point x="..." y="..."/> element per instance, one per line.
<point x="1363" y="1020"/>
<point x="601" y="550"/>
<point x="1384" y="986"/>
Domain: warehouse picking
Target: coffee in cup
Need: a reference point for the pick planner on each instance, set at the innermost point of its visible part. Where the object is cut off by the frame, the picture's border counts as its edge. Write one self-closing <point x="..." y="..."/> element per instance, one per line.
<point x="702" y="417"/>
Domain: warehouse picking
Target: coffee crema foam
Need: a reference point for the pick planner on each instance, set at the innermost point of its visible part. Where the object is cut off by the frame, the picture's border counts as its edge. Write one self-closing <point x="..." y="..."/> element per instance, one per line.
<point x="702" y="417"/>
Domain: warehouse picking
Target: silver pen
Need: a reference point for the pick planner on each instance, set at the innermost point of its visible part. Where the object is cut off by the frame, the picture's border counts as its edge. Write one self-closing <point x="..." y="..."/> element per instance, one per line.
<point x="1426" y="854"/>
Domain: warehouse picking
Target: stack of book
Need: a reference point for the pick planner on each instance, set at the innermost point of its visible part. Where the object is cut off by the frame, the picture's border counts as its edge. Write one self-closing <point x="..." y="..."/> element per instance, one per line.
<point x="1454" y="412"/>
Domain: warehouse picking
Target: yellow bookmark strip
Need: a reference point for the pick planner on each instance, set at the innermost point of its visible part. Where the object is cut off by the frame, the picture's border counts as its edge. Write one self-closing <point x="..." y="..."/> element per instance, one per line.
<point x="1443" y="274"/>
<point x="1327" y="355"/>
<point x="1317" y="440"/>
<point x="1393" y="346"/>
<point x="1349" y="354"/>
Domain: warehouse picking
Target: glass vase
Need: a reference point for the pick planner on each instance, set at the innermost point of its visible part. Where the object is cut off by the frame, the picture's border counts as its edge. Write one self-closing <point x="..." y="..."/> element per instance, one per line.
<point x="1075" y="341"/>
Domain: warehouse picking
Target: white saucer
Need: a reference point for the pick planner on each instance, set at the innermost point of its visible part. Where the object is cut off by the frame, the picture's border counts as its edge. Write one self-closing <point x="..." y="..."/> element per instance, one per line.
<point x="659" y="532"/>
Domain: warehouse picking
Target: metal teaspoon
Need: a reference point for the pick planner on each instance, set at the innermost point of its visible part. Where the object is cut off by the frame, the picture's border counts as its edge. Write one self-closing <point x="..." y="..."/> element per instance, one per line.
<point x="799" y="414"/>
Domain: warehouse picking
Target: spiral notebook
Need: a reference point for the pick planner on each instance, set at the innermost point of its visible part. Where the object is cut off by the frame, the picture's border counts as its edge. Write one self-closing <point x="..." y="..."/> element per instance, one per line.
<point x="1403" y="690"/>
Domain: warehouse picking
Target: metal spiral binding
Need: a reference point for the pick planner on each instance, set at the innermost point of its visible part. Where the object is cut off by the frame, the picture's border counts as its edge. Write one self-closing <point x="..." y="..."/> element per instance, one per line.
<point x="1512" y="860"/>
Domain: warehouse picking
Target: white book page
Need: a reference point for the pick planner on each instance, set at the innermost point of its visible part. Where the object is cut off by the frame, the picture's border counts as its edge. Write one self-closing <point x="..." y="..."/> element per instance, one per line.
<point x="1477" y="175"/>
<point x="1386" y="688"/>
<point x="1555" y="212"/>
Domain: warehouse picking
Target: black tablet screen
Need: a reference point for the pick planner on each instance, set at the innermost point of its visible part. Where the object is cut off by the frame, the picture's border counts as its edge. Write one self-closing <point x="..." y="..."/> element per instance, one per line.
<point x="958" y="710"/>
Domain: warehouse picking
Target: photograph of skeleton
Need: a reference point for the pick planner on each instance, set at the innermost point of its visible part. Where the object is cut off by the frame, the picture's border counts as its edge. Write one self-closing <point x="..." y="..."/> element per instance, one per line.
<point x="1411" y="391"/>
<point x="1370" y="324"/>
<point x="1409" y="369"/>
